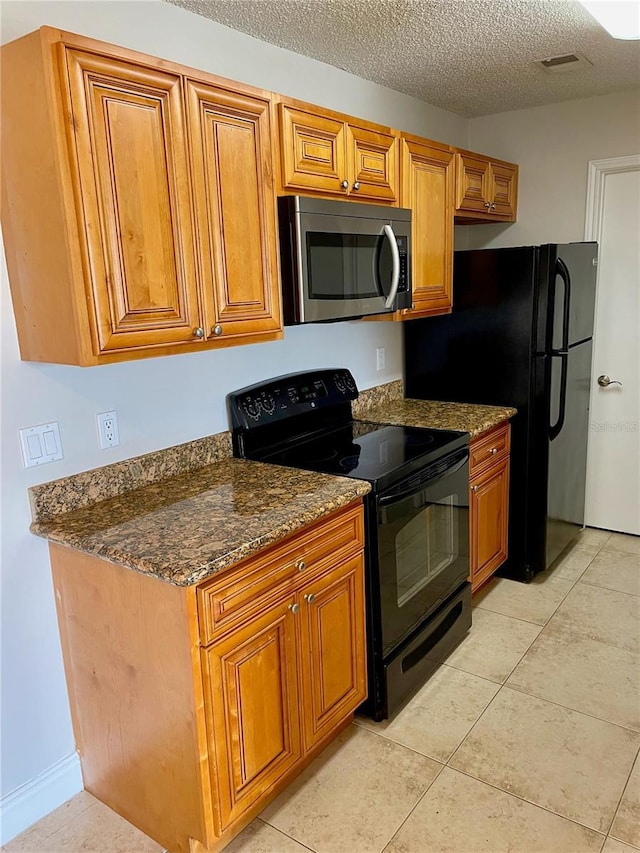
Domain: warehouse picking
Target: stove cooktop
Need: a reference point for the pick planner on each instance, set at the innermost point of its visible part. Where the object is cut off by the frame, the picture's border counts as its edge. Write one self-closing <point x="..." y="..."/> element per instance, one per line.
<point x="368" y="451"/>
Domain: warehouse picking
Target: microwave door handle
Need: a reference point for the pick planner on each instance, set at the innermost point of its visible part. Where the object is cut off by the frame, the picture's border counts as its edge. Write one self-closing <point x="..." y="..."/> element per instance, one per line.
<point x="395" y="273"/>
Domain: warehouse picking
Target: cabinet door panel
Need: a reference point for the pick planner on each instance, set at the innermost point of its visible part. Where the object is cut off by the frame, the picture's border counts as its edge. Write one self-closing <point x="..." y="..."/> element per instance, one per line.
<point x="489" y="511"/>
<point x="333" y="648"/>
<point x="313" y="151"/>
<point x="133" y="186"/>
<point x="504" y="180"/>
<point x="252" y="701"/>
<point x="235" y="206"/>
<point x="427" y="188"/>
<point x="373" y="164"/>
<point x="473" y="183"/>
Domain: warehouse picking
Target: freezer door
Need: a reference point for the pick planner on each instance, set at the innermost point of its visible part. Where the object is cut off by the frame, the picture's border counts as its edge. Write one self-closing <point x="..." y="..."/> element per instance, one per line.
<point x="569" y="383"/>
<point x="572" y="293"/>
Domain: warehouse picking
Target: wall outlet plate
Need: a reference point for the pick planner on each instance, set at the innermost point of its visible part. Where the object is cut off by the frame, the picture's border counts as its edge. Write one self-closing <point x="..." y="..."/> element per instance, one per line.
<point x="108" y="435"/>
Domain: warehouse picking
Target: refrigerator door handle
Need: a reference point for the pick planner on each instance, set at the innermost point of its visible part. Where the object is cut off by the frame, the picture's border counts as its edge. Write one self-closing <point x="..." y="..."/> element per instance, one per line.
<point x="555" y="429"/>
<point x="562" y="271"/>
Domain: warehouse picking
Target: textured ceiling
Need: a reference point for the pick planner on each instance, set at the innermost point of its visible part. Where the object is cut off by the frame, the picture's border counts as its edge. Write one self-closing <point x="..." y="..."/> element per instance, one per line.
<point x="473" y="57"/>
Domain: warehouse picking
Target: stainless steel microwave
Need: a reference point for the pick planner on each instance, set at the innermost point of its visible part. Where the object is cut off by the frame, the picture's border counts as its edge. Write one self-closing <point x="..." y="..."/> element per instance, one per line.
<point x="342" y="260"/>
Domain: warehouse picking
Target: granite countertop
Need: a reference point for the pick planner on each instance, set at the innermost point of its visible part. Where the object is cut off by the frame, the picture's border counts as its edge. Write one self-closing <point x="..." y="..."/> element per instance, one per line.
<point x="465" y="417"/>
<point x="185" y="528"/>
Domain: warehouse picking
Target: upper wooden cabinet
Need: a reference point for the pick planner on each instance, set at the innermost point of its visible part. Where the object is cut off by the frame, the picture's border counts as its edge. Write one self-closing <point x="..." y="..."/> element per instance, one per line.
<point x="427" y="170"/>
<point x="329" y="154"/>
<point x="139" y="207"/>
<point x="486" y="189"/>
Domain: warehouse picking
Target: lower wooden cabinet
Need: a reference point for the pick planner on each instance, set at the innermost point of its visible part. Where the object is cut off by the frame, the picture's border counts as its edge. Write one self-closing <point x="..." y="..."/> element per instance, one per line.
<point x="193" y="707"/>
<point x="489" y="503"/>
<point x="253" y="723"/>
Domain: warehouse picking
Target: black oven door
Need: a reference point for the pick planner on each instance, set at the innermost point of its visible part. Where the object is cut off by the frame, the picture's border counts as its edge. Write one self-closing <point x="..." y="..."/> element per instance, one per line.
<point x="423" y="544"/>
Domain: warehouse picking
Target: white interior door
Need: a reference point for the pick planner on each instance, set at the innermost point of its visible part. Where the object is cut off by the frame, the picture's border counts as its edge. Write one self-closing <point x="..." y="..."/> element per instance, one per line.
<point x="613" y="459"/>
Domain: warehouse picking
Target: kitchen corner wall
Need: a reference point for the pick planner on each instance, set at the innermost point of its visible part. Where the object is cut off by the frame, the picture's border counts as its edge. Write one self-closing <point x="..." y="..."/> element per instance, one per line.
<point x="553" y="145"/>
<point x="160" y="402"/>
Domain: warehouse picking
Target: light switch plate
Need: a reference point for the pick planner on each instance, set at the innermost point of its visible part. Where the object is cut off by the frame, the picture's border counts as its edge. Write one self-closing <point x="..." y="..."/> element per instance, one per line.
<point x="41" y="444"/>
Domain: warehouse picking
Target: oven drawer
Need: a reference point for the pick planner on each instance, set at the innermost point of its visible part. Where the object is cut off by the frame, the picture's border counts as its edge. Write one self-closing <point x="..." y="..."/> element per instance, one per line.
<point x="226" y="600"/>
<point x="489" y="448"/>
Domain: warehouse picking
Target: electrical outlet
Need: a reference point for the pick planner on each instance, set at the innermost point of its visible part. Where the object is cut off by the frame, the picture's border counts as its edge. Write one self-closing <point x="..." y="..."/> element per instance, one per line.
<point x="380" y="358"/>
<point x="108" y="435"/>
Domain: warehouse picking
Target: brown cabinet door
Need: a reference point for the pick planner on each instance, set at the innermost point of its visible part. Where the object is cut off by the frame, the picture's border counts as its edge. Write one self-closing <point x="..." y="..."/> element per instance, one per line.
<point x="231" y="161"/>
<point x="252" y="708"/>
<point x="473" y="184"/>
<point x="427" y="188"/>
<point x="372" y="164"/>
<point x="333" y="648"/>
<point x="134" y="199"/>
<point x="312" y="151"/>
<point x="489" y="521"/>
<point x="504" y="187"/>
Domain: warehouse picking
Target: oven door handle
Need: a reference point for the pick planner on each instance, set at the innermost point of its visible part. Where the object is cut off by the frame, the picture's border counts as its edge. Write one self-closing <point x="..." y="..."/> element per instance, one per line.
<point x="416" y="488"/>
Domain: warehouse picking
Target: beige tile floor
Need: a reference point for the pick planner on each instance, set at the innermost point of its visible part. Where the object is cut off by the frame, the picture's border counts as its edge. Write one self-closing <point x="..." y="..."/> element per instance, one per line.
<point x="525" y="741"/>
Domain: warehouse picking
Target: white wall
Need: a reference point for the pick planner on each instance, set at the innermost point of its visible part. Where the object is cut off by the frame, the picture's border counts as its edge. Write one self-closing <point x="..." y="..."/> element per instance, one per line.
<point x="553" y="145"/>
<point x="160" y="402"/>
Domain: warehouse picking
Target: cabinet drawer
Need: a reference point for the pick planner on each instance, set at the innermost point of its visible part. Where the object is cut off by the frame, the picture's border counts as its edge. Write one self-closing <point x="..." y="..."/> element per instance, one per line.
<point x="225" y="601"/>
<point x="488" y="448"/>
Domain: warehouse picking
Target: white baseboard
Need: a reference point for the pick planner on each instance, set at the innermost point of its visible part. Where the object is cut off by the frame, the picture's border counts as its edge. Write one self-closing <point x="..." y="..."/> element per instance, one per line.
<point x="39" y="796"/>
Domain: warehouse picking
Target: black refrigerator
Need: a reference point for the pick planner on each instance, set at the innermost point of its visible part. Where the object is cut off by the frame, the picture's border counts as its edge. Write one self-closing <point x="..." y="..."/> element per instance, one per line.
<point x="520" y="334"/>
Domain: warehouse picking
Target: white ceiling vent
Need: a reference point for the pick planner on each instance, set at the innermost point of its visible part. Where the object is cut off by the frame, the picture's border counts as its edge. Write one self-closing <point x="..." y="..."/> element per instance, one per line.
<point x="563" y="64"/>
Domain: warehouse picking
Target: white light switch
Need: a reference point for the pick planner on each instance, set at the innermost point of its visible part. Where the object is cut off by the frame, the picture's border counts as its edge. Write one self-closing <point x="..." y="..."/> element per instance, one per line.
<point x="41" y="444"/>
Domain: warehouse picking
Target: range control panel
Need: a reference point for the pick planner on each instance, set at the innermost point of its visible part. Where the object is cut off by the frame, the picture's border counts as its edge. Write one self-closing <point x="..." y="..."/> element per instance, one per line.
<point x="287" y="396"/>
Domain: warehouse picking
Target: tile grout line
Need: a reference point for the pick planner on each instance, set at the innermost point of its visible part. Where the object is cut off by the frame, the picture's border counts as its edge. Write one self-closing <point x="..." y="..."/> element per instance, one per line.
<point x="420" y="799"/>
<point x="286" y="834"/>
<point x="626" y="785"/>
<point x="525" y="800"/>
<point x="568" y="708"/>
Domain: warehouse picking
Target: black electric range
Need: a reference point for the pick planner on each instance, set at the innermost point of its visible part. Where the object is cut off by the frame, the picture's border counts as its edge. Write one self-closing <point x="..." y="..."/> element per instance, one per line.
<point x="416" y="517"/>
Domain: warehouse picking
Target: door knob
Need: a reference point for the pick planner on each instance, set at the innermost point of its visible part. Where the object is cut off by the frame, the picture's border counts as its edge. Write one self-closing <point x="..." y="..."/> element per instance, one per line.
<point x="294" y="608"/>
<point x="604" y="381"/>
<point x="345" y="185"/>
<point x="309" y="597"/>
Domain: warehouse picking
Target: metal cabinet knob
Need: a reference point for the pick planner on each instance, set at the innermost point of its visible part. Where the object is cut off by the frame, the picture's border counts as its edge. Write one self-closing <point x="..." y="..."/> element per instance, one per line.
<point x="309" y="597"/>
<point x="294" y="608"/>
<point x="474" y="488"/>
<point x="216" y="330"/>
<point x="487" y="204"/>
<point x="604" y="381"/>
<point x="493" y="206"/>
<point x="199" y="332"/>
<point x="345" y="185"/>
<point x="301" y="565"/>
<point x="493" y="451"/>
<point x="356" y="186"/>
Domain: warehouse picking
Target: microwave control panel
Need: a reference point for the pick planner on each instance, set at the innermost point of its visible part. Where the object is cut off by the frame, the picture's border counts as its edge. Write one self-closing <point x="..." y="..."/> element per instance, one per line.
<point x="403" y="283"/>
<point x="287" y="396"/>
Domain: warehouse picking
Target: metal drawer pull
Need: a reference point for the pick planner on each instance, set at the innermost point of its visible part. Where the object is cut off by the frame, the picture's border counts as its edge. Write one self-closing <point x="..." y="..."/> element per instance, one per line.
<point x="493" y="451"/>
<point x="294" y="608"/>
<point x="474" y="488"/>
<point x="309" y="597"/>
<point x="199" y="332"/>
<point x="301" y="565"/>
<point x="345" y="185"/>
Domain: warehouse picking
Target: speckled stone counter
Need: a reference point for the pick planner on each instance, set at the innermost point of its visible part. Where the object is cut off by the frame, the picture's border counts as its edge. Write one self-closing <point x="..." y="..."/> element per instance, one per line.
<point x="187" y="527"/>
<point x="466" y="417"/>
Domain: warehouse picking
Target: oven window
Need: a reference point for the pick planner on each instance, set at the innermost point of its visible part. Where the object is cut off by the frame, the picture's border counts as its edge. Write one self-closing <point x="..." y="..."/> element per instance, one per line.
<point x="425" y="546"/>
<point x="346" y="266"/>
